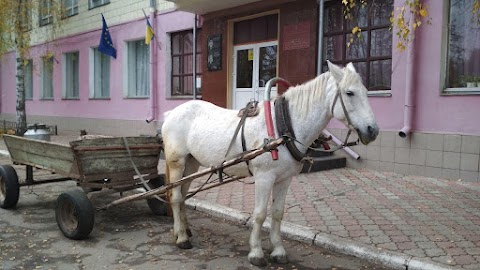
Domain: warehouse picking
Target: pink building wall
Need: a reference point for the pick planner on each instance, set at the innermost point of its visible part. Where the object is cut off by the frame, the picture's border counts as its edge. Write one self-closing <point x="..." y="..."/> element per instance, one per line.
<point x="117" y="107"/>
<point x="434" y="112"/>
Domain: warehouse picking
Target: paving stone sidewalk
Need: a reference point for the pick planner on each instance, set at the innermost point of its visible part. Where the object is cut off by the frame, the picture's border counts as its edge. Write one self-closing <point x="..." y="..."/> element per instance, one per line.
<point x="425" y="219"/>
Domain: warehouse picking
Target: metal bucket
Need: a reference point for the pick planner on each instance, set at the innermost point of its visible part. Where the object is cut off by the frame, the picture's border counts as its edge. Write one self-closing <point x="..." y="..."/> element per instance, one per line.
<point x="37" y="132"/>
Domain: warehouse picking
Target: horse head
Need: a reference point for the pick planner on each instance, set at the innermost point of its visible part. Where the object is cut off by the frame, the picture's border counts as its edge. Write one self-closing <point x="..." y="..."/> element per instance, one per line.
<point x="349" y="102"/>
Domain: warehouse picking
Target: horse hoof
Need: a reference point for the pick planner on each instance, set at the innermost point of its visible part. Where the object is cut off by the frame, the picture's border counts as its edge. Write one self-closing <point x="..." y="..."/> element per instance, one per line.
<point x="280" y="259"/>
<point x="189" y="233"/>
<point x="185" y="245"/>
<point x="260" y="262"/>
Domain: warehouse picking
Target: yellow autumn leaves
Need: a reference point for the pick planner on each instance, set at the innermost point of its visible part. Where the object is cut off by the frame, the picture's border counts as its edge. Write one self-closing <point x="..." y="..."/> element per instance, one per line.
<point x="403" y="24"/>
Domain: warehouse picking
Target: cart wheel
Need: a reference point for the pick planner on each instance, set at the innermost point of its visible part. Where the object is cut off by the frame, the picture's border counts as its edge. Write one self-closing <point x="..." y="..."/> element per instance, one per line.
<point x="159" y="208"/>
<point x="9" y="187"/>
<point x="75" y="214"/>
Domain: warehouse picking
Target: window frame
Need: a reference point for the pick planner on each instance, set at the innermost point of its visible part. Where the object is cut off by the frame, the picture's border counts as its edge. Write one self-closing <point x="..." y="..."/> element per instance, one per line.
<point x="128" y="93"/>
<point x="345" y="32"/>
<point x="68" y="94"/>
<point x="445" y="90"/>
<point x="43" y="77"/>
<point x="92" y="68"/>
<point x="181" y="56"/>
<point x="92" y="5"/>
<point x="71" y="9"/>
<point x="27" y="23"/>
<point x="45" y="17"/>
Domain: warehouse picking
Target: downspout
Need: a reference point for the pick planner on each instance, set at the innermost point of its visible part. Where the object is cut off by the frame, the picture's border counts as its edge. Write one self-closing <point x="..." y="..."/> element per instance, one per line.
<point x="153" y="67"/>
<point x="409" y="95"/>
<point x="319" y="71"/>
<point x="194" y="60"/>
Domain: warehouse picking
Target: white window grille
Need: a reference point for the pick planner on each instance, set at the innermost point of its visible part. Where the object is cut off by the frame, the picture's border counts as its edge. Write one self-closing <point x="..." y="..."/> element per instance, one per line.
<point x="138" y="69"/>
<point x="46" y="76"/>
<point x="99" y="74"/>
<point x="70" y="7"/>
<point x="70" y="75"/>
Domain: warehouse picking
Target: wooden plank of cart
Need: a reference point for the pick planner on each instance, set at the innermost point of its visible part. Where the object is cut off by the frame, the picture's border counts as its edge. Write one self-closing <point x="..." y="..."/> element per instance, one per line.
<point x="111" y="163"/>
<point x="95" y="164"/>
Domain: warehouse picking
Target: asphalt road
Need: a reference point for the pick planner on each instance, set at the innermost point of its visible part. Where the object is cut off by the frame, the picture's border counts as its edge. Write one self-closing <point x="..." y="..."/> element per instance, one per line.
<point x="129" y="236"/>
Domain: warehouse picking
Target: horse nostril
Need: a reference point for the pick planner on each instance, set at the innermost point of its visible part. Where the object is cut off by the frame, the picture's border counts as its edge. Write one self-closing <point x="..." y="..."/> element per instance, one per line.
<point x="371" y="131"/>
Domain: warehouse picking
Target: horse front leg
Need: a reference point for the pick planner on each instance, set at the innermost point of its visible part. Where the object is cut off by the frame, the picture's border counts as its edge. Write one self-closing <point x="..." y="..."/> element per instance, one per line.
<point x="177" y="201"/>
<point x="279" y="194"/>
<point x="263" y="188"/>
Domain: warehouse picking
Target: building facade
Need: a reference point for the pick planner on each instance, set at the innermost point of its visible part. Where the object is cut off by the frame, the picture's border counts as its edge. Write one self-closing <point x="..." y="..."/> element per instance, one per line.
<point x="426" y="99"/>
<point x="72" y="85"/>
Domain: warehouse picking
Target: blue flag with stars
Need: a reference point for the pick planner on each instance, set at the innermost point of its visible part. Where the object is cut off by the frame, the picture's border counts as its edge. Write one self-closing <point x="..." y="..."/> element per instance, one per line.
<point x="106" y="44"/>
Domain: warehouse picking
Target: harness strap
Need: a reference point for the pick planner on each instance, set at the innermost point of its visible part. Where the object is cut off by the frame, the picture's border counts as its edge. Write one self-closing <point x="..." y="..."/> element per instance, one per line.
<point x="241" y="124"/>
<point x="285" y="129"/>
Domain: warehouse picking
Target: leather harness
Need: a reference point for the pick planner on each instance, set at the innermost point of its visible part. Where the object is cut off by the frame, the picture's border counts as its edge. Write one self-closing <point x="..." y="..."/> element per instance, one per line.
<point x="283" y="122"/>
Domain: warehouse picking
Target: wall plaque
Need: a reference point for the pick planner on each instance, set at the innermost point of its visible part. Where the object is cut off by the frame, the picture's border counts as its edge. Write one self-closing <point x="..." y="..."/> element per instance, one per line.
<point x="296" y="36"/>
<point x="214" y="52"/>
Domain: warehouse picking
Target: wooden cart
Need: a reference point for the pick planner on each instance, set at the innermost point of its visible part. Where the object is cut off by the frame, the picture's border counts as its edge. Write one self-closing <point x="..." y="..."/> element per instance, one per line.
<point x="110" y="163"/>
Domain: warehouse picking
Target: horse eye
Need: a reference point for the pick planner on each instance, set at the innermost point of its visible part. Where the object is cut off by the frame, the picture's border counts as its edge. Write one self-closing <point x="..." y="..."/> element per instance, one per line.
<point x="350" y="93"/>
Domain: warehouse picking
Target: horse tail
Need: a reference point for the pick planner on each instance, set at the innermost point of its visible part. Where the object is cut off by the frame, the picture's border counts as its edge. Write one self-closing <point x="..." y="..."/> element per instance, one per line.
<point x="169" y="191"/>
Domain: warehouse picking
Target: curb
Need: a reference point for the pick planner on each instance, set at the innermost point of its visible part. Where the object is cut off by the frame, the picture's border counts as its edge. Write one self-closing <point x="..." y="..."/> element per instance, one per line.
<point x="385" y="258"/>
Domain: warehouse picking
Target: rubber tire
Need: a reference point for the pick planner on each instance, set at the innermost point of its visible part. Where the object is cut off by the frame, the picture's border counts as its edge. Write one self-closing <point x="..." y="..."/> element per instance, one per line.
<point x="158" y="208"/>
<point x="9" y="187"/>
<point x="75" y="214"/>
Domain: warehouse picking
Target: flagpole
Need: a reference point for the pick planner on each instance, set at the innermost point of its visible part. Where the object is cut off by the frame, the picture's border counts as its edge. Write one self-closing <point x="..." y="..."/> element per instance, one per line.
<point x="153" y="69"/>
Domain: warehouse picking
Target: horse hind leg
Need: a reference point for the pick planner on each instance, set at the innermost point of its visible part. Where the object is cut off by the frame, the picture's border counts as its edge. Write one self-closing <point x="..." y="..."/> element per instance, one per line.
<point x="279" y="194"/>
<point x="175" y="168"/>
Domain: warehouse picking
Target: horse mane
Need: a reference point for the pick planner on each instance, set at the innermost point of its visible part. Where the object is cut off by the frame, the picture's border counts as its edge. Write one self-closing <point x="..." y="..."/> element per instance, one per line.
<point x="305" y="95"/>
<point x="309" y="94"/>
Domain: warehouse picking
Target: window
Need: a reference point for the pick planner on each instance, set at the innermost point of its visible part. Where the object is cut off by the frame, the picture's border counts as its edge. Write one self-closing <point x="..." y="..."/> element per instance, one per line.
<point x="371" y="54"/>
<point x="463" y="67"/>
<point x="28" y="80"/>
<point x="182" y="63"/>
<point x="100" y="75"/>
<point x="45" y="12"/>
<point x="70" y="8"/>
<point x="27" y="19"/>
<point x="46" y="77"/>
<point x="97" y="3"/>
<point x="70" y="75"/>
<point x="138" y="69"/>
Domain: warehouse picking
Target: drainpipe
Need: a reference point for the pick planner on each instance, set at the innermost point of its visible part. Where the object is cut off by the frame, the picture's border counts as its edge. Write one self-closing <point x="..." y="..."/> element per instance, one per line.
<point x="409" y="94"/>
<point x="153" y="67"/>
<point x="194" y="60"/>
<point x="319" y="71"/>
<point x="320" y="37"/>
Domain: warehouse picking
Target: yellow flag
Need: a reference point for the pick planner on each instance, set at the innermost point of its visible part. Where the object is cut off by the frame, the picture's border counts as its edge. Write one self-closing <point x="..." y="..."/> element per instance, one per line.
<point x="149" y="34"/>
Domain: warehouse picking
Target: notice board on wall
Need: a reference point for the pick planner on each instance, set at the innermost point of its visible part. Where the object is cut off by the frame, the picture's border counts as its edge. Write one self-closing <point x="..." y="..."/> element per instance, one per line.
<point x="214" y="52"/>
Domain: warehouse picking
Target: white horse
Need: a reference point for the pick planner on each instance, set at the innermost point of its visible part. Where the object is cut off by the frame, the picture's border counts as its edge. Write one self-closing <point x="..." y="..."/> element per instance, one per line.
<point x="199" y="133"/>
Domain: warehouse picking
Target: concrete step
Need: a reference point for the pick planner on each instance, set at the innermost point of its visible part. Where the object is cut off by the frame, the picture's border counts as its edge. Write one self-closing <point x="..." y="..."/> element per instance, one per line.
<point x="325" y="163"/>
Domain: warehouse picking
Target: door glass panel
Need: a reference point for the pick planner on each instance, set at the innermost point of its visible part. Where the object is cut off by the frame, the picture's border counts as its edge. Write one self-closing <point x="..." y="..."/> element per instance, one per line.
<point x="267" y="64"/>
<point x="244" y="68"/>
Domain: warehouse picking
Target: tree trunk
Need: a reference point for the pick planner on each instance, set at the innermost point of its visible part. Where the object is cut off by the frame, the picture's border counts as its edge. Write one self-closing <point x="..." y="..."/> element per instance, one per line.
<point x="20" y="85"/>
<point x="21" y="120"/>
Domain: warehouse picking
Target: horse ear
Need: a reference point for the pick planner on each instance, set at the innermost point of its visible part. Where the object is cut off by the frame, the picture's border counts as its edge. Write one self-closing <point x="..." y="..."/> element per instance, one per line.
<point x="351" y="67"/>
<point x="336" y="72"/>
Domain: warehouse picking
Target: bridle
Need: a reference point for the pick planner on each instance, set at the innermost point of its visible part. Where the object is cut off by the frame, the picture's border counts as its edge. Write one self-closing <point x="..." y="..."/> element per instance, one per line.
<point x="338" y="95"/>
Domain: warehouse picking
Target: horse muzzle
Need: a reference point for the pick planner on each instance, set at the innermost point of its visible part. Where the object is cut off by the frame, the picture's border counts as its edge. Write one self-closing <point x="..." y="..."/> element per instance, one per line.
<point x="368" y="134"/>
